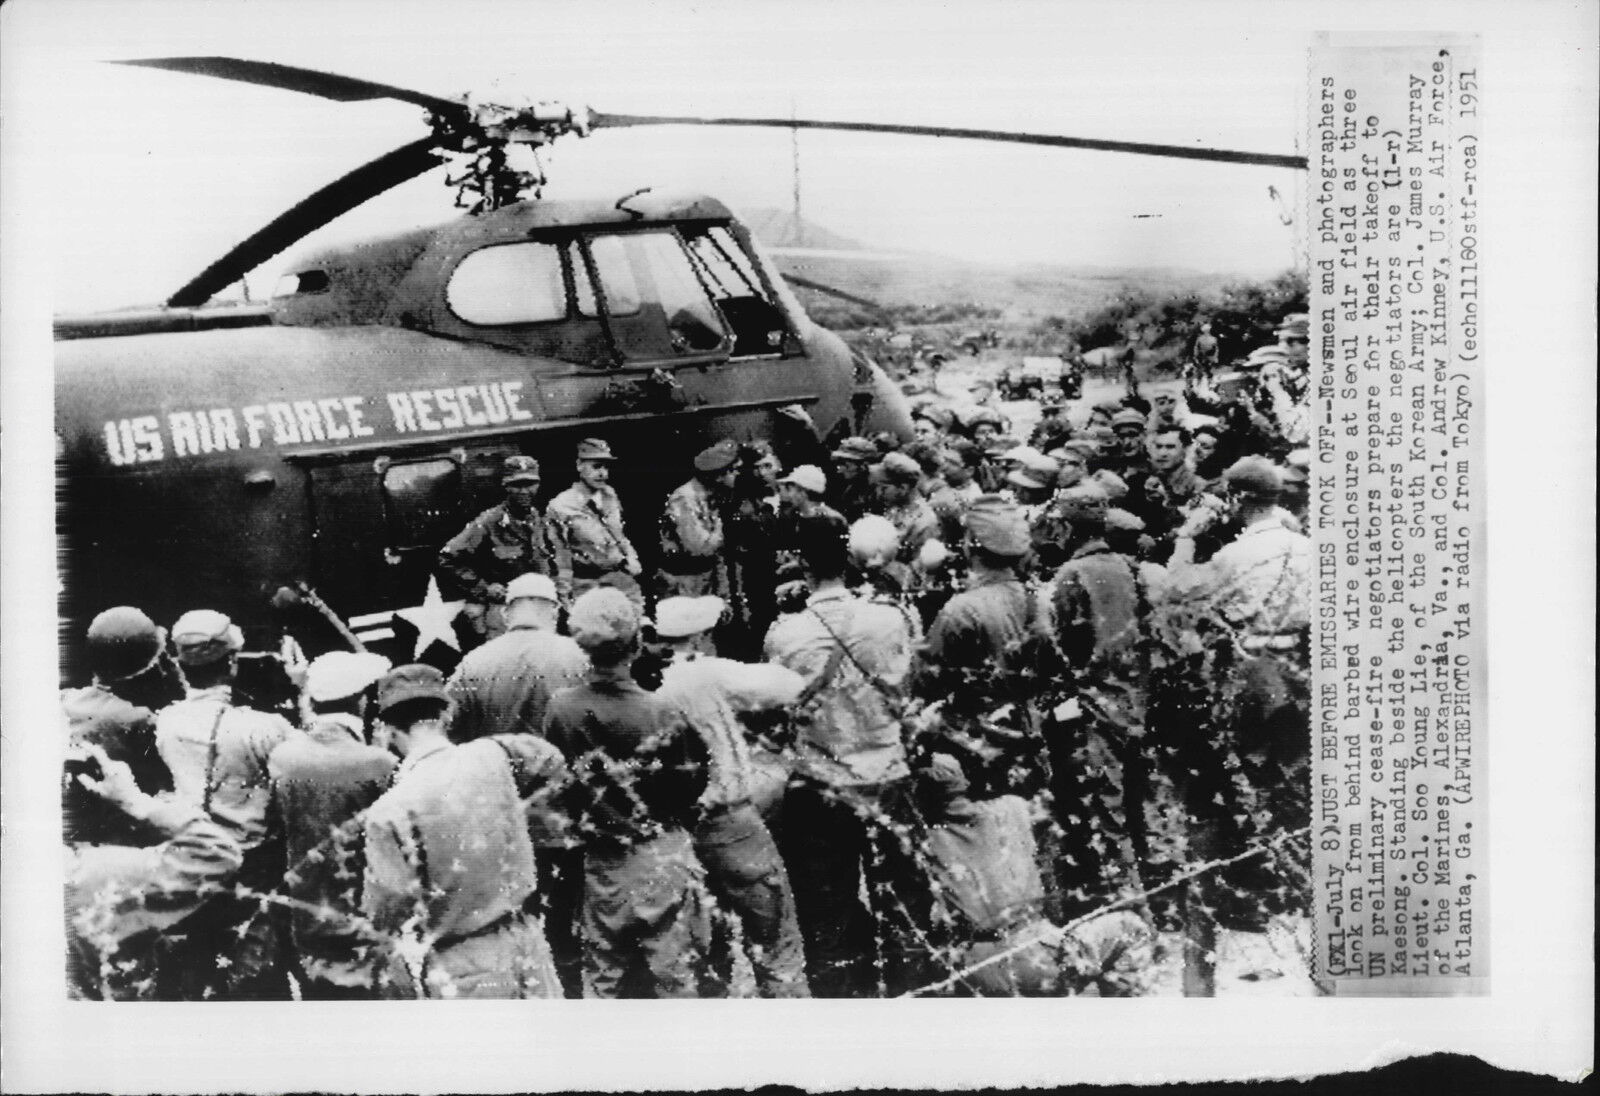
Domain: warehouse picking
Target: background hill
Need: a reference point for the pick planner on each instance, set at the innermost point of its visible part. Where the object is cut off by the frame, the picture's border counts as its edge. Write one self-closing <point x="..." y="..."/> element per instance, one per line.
<point x="901" y="280"/>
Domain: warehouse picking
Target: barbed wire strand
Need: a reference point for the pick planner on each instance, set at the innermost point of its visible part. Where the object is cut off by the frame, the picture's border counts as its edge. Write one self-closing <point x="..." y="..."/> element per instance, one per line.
<point x="1059" y="931"/>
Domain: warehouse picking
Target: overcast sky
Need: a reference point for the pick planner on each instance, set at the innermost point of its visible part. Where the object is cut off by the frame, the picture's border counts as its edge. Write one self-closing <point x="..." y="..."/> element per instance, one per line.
<point x="158" y="173"/>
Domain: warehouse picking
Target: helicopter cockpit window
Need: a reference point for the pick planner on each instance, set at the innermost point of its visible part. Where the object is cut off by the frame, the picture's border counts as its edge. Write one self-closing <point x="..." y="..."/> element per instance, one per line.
<point x="509" y="284"/>
<point x="757" y="322"/>
<point x="616" y="276"/>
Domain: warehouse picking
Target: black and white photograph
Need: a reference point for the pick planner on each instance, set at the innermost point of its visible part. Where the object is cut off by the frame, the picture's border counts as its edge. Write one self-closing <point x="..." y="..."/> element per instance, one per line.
<point x="888" y="507"/>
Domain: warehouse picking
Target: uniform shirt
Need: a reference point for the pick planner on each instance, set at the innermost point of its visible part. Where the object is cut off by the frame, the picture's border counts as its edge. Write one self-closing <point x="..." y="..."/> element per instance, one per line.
<point x="586" y="534"/>
<point x="322" y="782"/>
<point x="504" y="687"/>
<point x="218" y="752"/>
<point x="691" y="530"/>
<point x="448" y="852"/>
<point x="637" y="768"/>
<point x="982" y="855"/>
<point x="496" y="547"/>
<point x="853" y="733"/>
<point x="971" y="639"/>
<point x="1096" y="603"/>
<point x="115" y="894"/>
<point x="708" y="693"/>
<point x="126" y="732"/>
<point x="1260" y="582"/>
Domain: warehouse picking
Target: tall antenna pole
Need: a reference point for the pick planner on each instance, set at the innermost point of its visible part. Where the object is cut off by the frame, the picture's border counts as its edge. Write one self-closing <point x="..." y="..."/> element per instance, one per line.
<point x="794" y="155"/>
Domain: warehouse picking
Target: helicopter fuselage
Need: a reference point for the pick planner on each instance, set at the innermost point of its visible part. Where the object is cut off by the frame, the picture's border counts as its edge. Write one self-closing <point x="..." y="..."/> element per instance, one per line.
<point x="333" y="439"/>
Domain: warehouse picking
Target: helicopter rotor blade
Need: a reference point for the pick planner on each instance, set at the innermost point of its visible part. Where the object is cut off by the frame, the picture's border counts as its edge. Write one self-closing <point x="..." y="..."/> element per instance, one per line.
<point x="337" y="198"/>
<point x="828" y="290"/>
<point x="1182" y="152"/>
<point x="328" y="85"/>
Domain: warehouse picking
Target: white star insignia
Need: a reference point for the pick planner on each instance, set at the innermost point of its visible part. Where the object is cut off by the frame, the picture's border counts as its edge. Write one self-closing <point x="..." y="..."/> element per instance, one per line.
<point x="432" y="620"/>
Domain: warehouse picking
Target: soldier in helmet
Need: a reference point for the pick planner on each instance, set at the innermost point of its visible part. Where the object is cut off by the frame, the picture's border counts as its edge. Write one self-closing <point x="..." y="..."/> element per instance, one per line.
<point x="506" y="540"/>
<point x="586" y="529"/>
<point x="116" y="714"/>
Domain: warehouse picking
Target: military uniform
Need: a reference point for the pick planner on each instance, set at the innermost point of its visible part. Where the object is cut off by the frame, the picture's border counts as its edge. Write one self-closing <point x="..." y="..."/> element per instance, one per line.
<point x="494" y="548"/>
<point x="840" y="817"/>
<point x="504" y="687"/>
<point x="121" y="901"/>
<point x="638" y="771"/>
<point x="587" y="538"/>
<point x="126" y="732"/>
<point x="322" y="782"/>
<point x="450" y="871"/>
<point x="218" y="755"/>
<point x="741" y="860"/>
<point x="693" y="562"/>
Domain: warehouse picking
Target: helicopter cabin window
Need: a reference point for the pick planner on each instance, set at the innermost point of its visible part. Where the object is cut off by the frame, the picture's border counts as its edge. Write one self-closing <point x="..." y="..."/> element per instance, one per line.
<point x="422" y="500"/>
<point x="509" y="284"/>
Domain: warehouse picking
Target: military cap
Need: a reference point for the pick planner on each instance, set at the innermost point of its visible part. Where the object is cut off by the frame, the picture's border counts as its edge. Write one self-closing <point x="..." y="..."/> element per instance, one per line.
<point x="1022" y="454"/>
<point x="204" y="636"/>
<point x="998" y="525"/>
<point x="532" y="585"/>
<point x="520" y="470"/>
<point x="1083" y="448"/>
<point x="1127" y="417"/>
<point x="796" y="412"/>
<point x="339" y="674"/>
<point x="595" y="449"/>
<point x="1254" y="477"/>
<point x="717" y="458"/>
<point x="857" y="449"/>
<point x="897" y="468"/>
<point x="603" y="615"/>
<point x="986" y="415"/>
<point x="1085" y="502"/>
<point x="677" y="617"/>
<point x="1100" y="435"/>
<point x="1022" y="477"/>
<point x="1039" y="465"/>
<point x="808" y="477"/>
<point x="1112" y="483"/>
<point x="416" y="681"/>
<point x="934" y="413"/>
<point x="123" y="643"/>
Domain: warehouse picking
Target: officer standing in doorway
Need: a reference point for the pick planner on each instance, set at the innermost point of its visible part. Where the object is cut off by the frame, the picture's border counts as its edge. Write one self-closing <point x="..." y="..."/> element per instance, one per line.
<point x="499" y="544"/>
<point x="586" y="528"/>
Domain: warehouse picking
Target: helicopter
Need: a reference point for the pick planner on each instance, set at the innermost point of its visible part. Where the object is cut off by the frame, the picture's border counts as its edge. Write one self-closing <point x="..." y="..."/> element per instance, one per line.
<point x="298" y="463"/>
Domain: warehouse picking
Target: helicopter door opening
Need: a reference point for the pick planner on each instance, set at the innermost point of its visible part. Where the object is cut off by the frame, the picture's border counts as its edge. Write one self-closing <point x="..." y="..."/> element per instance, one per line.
<point x="756" y="321"/>
<point x="380" y="524"/>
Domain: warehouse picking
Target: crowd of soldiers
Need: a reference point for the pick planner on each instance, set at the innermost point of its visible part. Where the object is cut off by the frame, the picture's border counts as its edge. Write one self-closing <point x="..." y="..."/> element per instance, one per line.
<point x="934" y="713"/>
